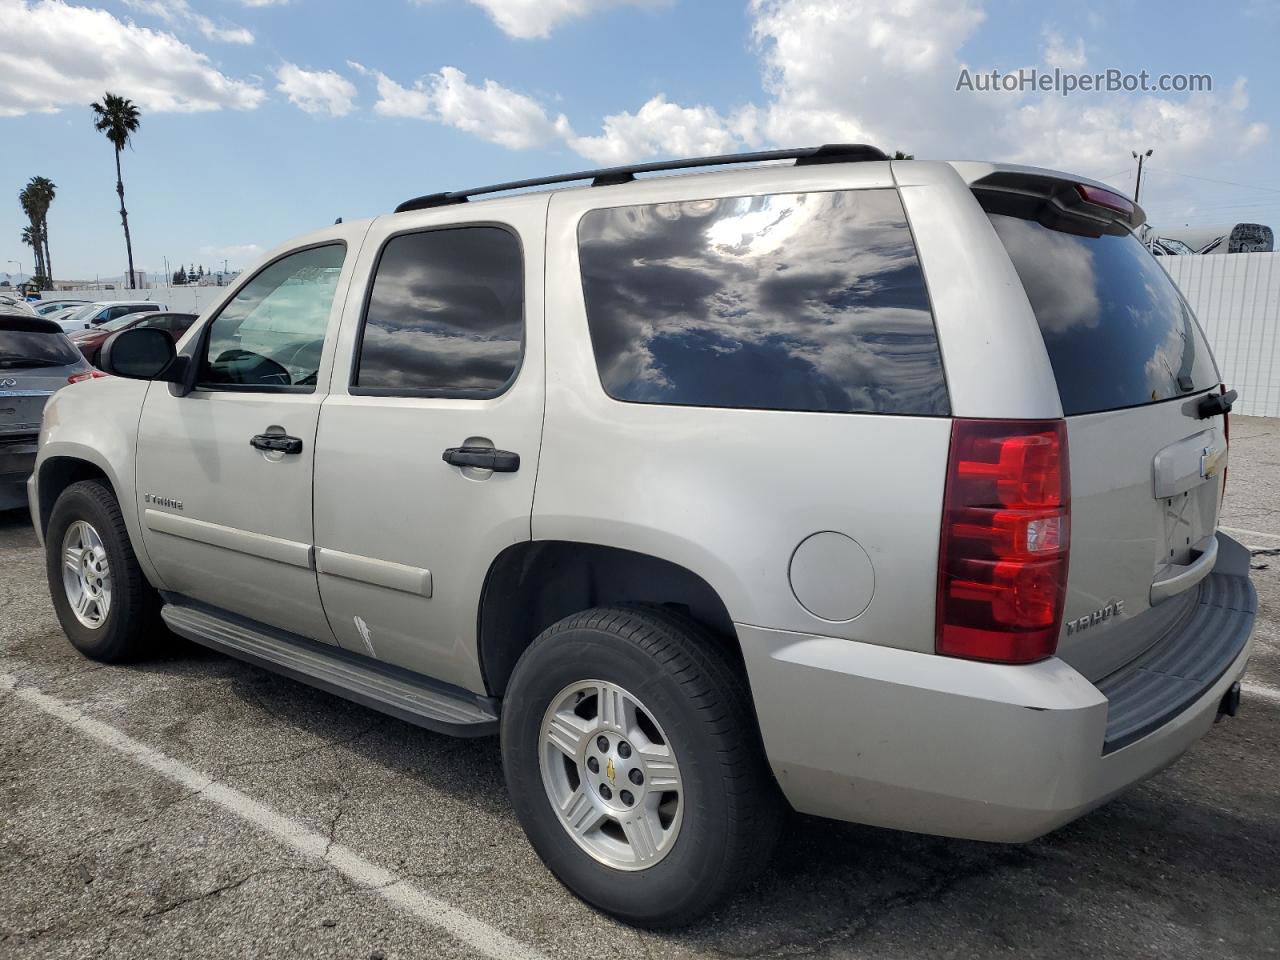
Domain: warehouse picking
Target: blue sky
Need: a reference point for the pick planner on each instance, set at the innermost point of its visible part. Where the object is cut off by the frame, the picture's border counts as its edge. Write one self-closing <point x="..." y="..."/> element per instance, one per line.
<point x="263" y="119"/>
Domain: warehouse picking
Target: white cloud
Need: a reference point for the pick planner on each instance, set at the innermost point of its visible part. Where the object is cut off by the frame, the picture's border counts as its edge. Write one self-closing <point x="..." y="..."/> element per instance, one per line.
<point x="491" y="111"/>
<point x="318" y="91"/>
<point x="658" y="127"/>
<point x="1057" y="53"/>
<point x="860" y="70"/>
<point x="53" y="55"/>
<point x="884" y="72"/>
<point x="1065" y="133"/>
<point x="873" y="71"/>
<point x="537" y="18"/>
<point x="179" y="12"/>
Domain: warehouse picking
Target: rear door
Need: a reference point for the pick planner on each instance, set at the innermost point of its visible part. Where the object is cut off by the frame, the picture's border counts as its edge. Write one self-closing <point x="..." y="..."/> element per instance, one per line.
<point x="441" y="349"/>
<point x="1132" y="368"/>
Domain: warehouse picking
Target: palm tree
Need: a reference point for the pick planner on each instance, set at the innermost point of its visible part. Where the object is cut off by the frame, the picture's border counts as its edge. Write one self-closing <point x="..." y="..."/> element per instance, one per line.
<point x="117" y="118"/>
<point x="45" y="190"/>
<point x="30" y="203"/>
<point x="29" y="238"/>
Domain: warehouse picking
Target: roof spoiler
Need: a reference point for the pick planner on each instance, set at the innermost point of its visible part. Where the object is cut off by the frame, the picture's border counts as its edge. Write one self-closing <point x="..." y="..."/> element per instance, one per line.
<point x="1079" y="202"/>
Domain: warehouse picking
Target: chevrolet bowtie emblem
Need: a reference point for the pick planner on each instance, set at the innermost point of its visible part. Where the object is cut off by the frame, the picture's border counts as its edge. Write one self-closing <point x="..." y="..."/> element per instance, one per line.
<point x="608" y="770"/>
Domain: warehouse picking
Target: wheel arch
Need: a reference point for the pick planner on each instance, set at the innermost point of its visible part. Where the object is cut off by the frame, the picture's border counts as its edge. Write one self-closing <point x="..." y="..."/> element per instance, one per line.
<point x="59" y="472"/>
<point x="533" y="584"/>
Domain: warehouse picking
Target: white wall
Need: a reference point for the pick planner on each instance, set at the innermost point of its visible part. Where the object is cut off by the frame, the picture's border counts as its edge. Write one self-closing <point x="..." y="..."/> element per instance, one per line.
<point x="178" y="299"/>
<point x="1236" y="296"/>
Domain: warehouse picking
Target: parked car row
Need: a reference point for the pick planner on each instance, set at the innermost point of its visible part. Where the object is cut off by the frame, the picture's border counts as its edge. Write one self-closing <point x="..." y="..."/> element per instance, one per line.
<point x="85" y="316"/>
<point x="1228" y="238"/>
<point x="38" y="357"/>
<point x="90" y="341"/>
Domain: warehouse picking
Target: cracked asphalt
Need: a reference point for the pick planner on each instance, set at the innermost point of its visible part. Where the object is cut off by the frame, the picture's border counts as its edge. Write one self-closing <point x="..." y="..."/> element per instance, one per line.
<point x="103" y="856"/>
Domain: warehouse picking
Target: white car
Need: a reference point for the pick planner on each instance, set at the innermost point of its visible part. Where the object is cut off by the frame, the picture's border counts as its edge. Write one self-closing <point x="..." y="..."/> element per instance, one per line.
<point x="91" y="315"/>
<point x="50" y="308"/>
<point x="16" y="306"/>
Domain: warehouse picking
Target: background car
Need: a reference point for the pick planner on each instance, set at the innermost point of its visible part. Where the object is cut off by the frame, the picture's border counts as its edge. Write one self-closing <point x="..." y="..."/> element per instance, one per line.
<point x="90" y="341"/>
<point x="93" y="314"/>
<point x="47" y="308"/>
<point x="15" y="305"/>
<point x="36" y="358"/>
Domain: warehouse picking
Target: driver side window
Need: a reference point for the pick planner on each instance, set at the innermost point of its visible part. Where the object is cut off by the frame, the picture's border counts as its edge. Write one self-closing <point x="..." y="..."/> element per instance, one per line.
<point x="271" y="335"/>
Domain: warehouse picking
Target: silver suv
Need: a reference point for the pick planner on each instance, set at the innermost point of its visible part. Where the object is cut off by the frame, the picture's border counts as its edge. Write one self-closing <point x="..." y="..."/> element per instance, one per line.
<point x="886" y="491"/>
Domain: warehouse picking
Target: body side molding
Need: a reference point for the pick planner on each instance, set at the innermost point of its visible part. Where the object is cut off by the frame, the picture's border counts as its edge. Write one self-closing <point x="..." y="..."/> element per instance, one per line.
<point x="380" y="573"/>
<point x="229" y="538"/>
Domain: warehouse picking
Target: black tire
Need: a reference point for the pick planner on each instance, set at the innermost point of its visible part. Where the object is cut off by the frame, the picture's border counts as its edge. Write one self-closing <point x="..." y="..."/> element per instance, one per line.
<point x="732" y="806"/>
<point x="132" y="626"/>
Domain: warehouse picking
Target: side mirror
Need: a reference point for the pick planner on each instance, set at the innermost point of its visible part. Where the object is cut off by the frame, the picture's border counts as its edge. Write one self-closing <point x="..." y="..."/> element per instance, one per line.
<point x="142" y="353"/>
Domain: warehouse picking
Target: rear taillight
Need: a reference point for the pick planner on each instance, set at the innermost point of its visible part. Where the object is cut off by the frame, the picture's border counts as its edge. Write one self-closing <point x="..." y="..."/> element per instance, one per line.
<point x="87" y="375"/>
<point x="1006" y="533"/>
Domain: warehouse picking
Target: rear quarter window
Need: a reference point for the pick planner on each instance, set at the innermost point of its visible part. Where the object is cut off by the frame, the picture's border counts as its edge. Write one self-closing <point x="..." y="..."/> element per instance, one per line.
<point x="1118" y="332"/>
<point x="801" y="301"/>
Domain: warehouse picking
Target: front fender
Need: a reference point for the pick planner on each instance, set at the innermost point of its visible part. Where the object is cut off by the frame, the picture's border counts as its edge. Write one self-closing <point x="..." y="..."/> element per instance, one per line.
<point x="94" y="422"/>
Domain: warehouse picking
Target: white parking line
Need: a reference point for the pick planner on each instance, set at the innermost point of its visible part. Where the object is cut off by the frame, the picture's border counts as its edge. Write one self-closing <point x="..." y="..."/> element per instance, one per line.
<point x="475" y="933"/>
<point x="1251" y="533"/>
<point x="1261" y="690"/>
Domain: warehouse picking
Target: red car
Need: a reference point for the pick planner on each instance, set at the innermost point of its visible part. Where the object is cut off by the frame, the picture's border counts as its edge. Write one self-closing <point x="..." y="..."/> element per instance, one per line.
<point x="90" y="341"/>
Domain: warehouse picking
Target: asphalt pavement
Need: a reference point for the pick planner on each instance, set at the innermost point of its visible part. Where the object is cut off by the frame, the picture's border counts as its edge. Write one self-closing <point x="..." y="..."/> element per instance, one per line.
<point x="195" y="806"/>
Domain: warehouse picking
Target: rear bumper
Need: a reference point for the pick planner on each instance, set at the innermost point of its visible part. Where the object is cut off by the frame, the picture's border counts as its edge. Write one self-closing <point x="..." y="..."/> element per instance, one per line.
<point x="936" y="745"/>
<point x="17" y="459"/>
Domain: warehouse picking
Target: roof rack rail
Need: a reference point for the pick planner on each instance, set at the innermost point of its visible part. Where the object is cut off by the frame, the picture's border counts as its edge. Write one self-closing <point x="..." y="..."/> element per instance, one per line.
<point x="610" y="176"/>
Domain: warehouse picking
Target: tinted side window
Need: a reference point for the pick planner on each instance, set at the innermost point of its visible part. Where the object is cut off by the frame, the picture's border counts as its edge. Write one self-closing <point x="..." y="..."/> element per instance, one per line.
<point x="786" y="302"/>
<point x="445" y="315"/>
<point x="1118" y="332"/>
<point x="272" y="334"/>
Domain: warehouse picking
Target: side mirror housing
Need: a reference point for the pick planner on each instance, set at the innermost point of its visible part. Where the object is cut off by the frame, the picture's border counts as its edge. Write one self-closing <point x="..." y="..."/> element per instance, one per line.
<point x="142" y="353"/>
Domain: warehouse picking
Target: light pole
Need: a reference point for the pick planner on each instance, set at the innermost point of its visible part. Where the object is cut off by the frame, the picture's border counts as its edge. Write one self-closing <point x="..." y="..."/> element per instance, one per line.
<point x="19" y="263"/>
<point x="1137" y="187"/>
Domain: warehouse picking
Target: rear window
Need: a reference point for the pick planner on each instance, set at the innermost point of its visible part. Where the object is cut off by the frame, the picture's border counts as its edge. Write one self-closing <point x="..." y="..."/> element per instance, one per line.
<point x="20" y="349"/>
<point x="1118" y="332"/>
<point x="799" y="301"/>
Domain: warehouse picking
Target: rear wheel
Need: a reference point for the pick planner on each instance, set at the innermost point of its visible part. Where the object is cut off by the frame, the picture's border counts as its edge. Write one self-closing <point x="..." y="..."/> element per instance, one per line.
<point x="633" y="762"/>
<point x="105" y="606"/>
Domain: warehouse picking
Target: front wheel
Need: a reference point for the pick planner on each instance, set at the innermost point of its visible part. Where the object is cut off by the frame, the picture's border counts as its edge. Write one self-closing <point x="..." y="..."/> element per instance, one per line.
<point x="633" y="762"/>
<point x="106" y="607"/>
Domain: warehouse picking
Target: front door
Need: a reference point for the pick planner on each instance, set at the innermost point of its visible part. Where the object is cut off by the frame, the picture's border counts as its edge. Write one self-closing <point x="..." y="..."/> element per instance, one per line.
<point x="442" y="351"/>
<point x="224" y="473"/>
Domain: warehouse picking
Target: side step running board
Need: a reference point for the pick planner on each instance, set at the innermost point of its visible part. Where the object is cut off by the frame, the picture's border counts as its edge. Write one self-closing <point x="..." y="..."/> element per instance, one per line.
<point x="400" y="693"/>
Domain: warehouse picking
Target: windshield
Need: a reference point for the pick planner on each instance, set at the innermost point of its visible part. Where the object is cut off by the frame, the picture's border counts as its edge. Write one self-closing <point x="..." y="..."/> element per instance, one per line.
<point x="81" y="313"/>
<point x="1118" y="332"/>
<point x="22" y="349"/>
